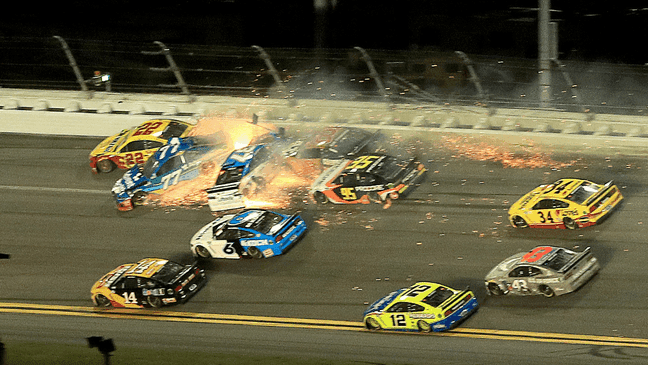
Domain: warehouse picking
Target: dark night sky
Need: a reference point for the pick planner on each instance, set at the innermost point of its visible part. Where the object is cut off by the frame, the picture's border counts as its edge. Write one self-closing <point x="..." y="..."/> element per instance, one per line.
<point x="589" y="30"/>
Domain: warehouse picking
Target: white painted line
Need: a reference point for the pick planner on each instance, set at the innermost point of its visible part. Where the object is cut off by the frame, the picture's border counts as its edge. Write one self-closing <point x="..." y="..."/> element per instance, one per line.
<point x="54" y="190"/>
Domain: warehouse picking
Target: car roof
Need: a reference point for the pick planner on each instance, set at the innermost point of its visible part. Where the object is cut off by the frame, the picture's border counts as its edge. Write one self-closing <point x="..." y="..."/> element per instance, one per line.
<point x="418" y="298"/>
<point x="146" y="268"/>
<point x="570" y="185"/>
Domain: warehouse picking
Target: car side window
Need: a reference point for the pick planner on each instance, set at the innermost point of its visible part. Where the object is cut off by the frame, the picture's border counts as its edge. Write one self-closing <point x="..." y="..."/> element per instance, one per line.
<point x="544" y="204"/>
<point x="413" y="307"/>
<point x="130" y="283"/>
<point x="172" y="164"/>
<point x="366" y="179"/>
<point x="398" y="307"/>
<point x="560" y="204"/>
<point x="133" y="146"/>
<point x="246" y="234"/>
<point x="520" y="271"/>
<point x="152" y="144"/>
<point x="533" y="271"/>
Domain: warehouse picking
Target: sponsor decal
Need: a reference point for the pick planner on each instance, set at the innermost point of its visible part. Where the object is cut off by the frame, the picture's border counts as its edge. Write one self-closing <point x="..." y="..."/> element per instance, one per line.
<point x="369" y="188"/>
<point x="248" y="243"/>
<point x="422" y="316"/>
<point x="268" y="252"/>
<point x="169" y="300"/>
<point x="438" y="325"/>
<point x="193" y="287"/>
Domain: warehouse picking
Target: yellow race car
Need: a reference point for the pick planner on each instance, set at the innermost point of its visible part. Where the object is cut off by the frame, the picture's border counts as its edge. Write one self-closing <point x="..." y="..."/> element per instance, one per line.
<point x="150" y="282"/>
<point x="567" y="203"/>
<point x="423" y="306"/>
<point x="136" y="145"/>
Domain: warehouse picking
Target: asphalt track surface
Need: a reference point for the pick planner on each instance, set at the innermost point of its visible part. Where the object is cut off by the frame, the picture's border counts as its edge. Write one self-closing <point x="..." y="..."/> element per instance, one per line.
<point x="60" y="226"/>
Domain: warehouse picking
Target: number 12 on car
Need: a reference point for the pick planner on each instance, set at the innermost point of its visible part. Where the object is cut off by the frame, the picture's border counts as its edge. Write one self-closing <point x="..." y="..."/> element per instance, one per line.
<point x="398" y="320"/>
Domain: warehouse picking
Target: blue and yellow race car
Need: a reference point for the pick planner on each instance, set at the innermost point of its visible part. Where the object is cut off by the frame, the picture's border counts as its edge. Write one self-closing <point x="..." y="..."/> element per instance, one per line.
<point x="255" y="233"/>
<point x="179" y="160"/>
<point x="423" y="306"/>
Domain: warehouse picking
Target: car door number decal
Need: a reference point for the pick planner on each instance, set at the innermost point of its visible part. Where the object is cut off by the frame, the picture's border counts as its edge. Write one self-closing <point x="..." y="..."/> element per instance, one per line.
<point x="348" y="194"/>
<point x="398" y="320"/>
<point x="172" y="176"/>
<point x="129" y="298"/>
<point x="228" y="249"/>
<point x="520" y="285"/>
<point x="130" y="159"/>
<point x="546" y="219"/>
<point x="536" y="254"/>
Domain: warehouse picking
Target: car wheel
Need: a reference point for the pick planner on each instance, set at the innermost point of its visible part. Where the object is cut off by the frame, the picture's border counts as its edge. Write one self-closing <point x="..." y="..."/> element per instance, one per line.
<point x="320" y="197"/>
<point x="546" y="291"/>
<point x="102" y="301"/>
<point x="255" y="252"/>
<point x="154" y="302"/>
<point x="374" y="197"/>
<point x="139" y="198"/>
<point x="570" y="223"/>
<point x="424" y="326"/>
<point x="202" y="251"/>
<point x="495" y="289"/>
<point x="105" y="166"/>
<point x="519" y="222"/>
<point x="372" y="324"/>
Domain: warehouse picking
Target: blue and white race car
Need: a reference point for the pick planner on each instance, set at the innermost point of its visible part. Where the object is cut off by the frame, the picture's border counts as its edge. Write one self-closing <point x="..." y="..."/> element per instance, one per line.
<point x="225" y="195"/>
<point x="255" y="233"/>
<point x="179" y="160"/>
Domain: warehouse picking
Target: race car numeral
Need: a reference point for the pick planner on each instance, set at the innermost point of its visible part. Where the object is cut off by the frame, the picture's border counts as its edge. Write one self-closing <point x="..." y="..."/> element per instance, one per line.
<point x="415" y="290"/>
<point x="398" y="320"/>
<point x="147" y="128"/>
<point x="130" y="159"/>
<point x="348" y="194"/>
<point x="535" y="254"/>
<point x="167" y="179"/>
<point x="129" y="298"/>
<point x="228" y="249"/>
<point x="520" y="285"/>
<point x="362" y="162"/>
<point x="544" y="219"/>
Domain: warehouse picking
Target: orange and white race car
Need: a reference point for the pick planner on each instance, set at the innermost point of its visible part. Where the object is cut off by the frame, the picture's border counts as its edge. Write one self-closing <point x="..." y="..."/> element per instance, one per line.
<point x="134" y="146"/>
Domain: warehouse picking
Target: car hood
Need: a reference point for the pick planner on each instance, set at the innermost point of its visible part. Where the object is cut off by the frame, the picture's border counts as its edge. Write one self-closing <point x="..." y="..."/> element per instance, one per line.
<point x="383" y="302"/>
<point x="204" y="233"/>
<point x="111" y="144"/>
<point x="132" y="179"/>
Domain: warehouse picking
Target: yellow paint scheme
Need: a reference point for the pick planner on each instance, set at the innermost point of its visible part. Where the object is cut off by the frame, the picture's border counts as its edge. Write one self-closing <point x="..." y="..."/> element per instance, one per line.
<point x="113" y="147"/>
<point x="558" y="205"/>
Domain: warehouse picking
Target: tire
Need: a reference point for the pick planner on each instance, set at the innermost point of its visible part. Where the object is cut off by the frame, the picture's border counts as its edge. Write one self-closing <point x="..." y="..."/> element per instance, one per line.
<point x="570" y="223"/>
<point x="495" y="289"/>
<point x="372" y="324"/>
<point x="519" y="222"/>
<point x="102" y="301"/>
<point x="202" y="251"/>
<point x="254" y="252"/>
<point x="546" y="291"/>
<point x="374" y="197"/>
<point x="105" y="166"/>
<point x="154" y="302"/>
<point x="320" y="198"/>
<point x="424" y="326"/>
<point x="138" y="198"/>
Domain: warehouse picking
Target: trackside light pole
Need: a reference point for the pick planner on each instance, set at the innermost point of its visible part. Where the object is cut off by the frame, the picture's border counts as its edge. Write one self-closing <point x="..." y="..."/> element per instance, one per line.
<point x="172" y="66"/>
<point x="372" y="72"/>
<point x="73" y="63"/>
<point x="544" y="52"/>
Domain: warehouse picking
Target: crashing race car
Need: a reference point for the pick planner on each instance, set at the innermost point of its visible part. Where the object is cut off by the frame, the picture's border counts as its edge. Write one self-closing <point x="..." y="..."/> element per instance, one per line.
<point x="334" y="144"/>
<point x="368" y="178"/>
<point x="151" y="282"/>
<point x="179" y="160"/>
<point x="423" y="306"/>
<point x="225" y="195"/>
<point x="545" y="270"/>
<point x="134" y="146"/>
<point x="567" y="203"/>
<point x="255" y="233"/>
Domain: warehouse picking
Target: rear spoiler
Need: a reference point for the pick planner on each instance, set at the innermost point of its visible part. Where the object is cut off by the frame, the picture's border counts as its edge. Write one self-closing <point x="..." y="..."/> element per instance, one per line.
<point x="575" y="260"/>
<point x="287" y="223"/>
<point x="600" y="193"/>
<point x="225" y="197"/>
<point x="223" y="187"/>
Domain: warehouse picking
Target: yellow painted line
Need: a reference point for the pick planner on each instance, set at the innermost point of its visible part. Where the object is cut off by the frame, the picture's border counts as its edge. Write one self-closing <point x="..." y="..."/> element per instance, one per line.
<point x="192" y="317"/>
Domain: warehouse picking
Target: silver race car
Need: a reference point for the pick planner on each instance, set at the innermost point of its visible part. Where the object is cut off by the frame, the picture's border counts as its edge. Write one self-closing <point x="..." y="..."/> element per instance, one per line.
<point x="545" y="270"/>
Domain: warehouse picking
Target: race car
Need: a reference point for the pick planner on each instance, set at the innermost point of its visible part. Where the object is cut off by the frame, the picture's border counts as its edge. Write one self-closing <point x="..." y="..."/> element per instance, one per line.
<point x="567" y="203"/>
<point x="179" y="160"/>
<point x="545" y="270"/>
<point x="255" y="233"/>
<point x="225" y="195"/>
<point x="134" y="146"/>
<point x="423" y="306"/>
<point x="151" y="282"/>
<point x="373" y="177"/>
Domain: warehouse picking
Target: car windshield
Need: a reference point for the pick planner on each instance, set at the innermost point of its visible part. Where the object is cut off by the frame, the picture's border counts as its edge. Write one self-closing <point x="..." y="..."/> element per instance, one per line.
<point x="174" y="129"/>
<point x="582" y="193"/>
<point x="438" y="296"/>
<point x="168" y="272"/>
<point x="559" y="259"/>
<point x="150" y="167"/>
<point x="266" y="222"/>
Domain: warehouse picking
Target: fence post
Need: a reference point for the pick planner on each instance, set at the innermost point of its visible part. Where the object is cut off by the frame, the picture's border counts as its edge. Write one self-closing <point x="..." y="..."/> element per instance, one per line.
<point x="172" y="67"/>
<point x="272" y="69"/>
<point x="73" y="63"/>
<point x="473" y="75"/>
<point x="373" y="72"/>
